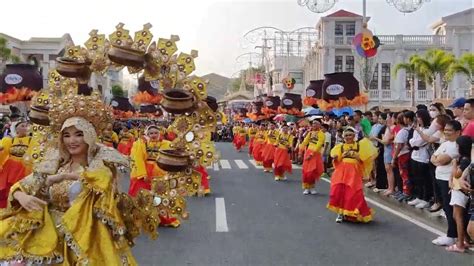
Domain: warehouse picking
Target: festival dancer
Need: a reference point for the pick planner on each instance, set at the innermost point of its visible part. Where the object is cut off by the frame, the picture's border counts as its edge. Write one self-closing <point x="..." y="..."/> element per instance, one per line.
<point x="258" y="145"/>
<point x="66" y="212"/>
<point x="313" y="166"/>
<point x="282" y="162"/>
<point x="239" y="136"/>
<point x="109" y="138"/>
<point x="268" y="151"/>
<point x="126" y="139"/>
<point x="346" y="197"/>
<point x="13" y="166"/>
<point x="144" y="167"/>
<point x="252" y="131"/>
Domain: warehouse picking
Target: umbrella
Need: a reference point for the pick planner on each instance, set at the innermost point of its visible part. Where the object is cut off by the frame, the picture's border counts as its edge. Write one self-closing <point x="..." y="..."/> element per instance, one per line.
<point x="314" y="117"/>
<point x="291" y="118"/>
<point x="247" y="120"/>
<point x="340" y="111"/>
<point x="311" y="111"/>
<point x="279" y="118"/>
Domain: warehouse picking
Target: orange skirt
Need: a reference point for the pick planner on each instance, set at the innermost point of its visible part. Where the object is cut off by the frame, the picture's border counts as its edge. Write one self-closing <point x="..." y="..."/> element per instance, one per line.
<point x="346" y="196"/>
<point x="204" y="180"/>
<point x="125" y="147"/>
<point x="282" y="162"/>
<point x="13" y="170"/>
<point x="251" y="145"/>
<point x="239" y="141"/>
<point x="313" y="167"/>
<point x="268" y="152"/>
<point x="257" y="151"/>
<point x="136" y="184"/>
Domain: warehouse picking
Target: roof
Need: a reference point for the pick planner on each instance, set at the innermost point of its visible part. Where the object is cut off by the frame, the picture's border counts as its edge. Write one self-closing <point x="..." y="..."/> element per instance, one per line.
<point x="443" y="20"/>
<point x="343" y="14"/>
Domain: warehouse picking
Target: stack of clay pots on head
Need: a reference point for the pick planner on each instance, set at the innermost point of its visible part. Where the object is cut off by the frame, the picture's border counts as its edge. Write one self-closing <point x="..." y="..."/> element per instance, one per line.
<point x="291" y="104"/>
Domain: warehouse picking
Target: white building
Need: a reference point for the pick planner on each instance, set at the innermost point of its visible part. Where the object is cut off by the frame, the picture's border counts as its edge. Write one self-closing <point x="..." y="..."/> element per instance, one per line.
<point x="44" y="51"/>
<point x="332" y="52"/>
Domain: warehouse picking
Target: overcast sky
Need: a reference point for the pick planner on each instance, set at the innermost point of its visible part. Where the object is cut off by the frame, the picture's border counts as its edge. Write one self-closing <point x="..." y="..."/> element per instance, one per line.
<point x="214" y="27"/>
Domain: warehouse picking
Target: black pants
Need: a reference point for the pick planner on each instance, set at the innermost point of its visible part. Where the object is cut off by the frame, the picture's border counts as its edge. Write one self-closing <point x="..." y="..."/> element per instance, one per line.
<point x="420" y="176"/>
<point x="448" y="209"/>
<point x="436" y="190"/>
<point x="381" y="174"/>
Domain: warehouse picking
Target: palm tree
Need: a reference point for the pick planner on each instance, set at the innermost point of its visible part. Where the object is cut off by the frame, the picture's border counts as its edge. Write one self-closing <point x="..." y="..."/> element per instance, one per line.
<point x="436" y="63"/>
<point x="6" y="54"/>
<point x="464" y="66"/>
<point x="412" y="72"/>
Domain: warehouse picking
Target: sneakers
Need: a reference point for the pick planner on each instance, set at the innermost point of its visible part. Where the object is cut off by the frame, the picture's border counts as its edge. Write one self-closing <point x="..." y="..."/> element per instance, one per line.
<point x="284" y="178"/>
<point x="313" y="191"/>
<point x="414" y="202"/>
<point x="306" y="192"/>
<point x="402" y="197"/>
<point x="444" y="241"/>
<point x="435" y="207"/>
<point x="277" y="178"/>
<point x="422" y="204"/>
<point x="339" y="218"/>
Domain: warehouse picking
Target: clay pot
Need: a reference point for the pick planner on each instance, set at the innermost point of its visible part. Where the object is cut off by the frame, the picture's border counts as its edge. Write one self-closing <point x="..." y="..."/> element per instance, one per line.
<point x="341" y="84"/>
<point x="21" y="75"/>
<point x="243" y="111"/>
<point x="177" y="101"/>
<point x="127" y="56"/>
<point x="70" y="68"/>
<point x="39" y="115"/>
<point x="122" y="104"/>
<point x="315" y="89"/>
<point x="272" y="102"/>
<point x="173" y="160"/>
<point x="212" y="103"/>
<point x="291" y="100"/>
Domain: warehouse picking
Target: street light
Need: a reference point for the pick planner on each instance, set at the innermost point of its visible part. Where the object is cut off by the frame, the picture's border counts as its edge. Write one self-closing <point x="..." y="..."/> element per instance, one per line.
<point x="320" y="6"/>
<point x="407" y="6"/>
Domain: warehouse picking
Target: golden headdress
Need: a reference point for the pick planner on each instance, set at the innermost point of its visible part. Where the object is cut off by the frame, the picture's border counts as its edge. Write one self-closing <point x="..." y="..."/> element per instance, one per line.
<point x="90" y="107"/>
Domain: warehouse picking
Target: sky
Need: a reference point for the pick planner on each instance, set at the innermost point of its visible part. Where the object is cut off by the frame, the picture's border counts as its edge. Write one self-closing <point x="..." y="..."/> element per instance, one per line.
<point x="213" y="27"/>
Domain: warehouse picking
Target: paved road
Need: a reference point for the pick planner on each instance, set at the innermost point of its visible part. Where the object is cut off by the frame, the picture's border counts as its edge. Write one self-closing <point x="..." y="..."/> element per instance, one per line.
<point x="273" y="223"/>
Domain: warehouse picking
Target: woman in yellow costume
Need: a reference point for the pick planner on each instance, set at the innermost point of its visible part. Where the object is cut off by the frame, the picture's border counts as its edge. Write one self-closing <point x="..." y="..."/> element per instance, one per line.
<point x="126" y="139"/>
<point x="13" y="166"/>
<point x="109" y="138"/>
<point x="346" y="196"/>
<point x="65" y="212"/>
<point x="145" y="169"/>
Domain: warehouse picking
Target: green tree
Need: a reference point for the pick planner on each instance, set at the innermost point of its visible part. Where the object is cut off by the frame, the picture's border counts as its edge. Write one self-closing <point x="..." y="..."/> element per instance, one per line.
<point x="117" y="91"/>
<point x="435" y="63"/>
<point x="412" y="73"/>
<point x="464" y="66"/>
<point x="6" y="54"/>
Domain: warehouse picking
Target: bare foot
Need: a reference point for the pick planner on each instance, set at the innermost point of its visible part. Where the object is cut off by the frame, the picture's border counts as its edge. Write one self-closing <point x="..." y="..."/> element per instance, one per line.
<point x="388" y="193"/>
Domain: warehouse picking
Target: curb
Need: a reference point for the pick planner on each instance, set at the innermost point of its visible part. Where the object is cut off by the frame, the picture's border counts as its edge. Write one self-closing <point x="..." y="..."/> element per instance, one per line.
<point x="423" y="215"/>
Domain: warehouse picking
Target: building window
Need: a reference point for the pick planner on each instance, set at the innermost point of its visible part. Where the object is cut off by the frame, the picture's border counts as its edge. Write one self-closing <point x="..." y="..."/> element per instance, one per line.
<point x="374" y="84"/>
<point x="350" y="29"/>
<point x="421" y="84"/>
<point x="386" y="76"/>
<point x="338" y="64"/>
<point x="350" y="63"/>
<point x="408" y="79"/>
<point x="339" y="30"/>
<point x="298" y="76"/>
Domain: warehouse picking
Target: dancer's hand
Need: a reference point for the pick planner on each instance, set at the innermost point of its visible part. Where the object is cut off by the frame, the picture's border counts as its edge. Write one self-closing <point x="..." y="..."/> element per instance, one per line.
<point x="30" y="203"/>
<point x="52" y="179"/>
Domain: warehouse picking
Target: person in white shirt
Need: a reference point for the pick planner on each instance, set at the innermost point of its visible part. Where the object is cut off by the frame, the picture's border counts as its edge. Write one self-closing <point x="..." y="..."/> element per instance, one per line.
<point x="327" y="145"/>
<point x="419" y="163"/>
<point x="401" y="155"/>
<point x="442" y="159"/>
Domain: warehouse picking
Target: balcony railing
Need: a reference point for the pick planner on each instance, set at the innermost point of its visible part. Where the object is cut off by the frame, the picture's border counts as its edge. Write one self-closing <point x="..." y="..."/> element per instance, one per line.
<point x="430" y="40"/>
<point x="384" y="95"/>
<point x="420" y="95"/>
<point x="343" y="40"/>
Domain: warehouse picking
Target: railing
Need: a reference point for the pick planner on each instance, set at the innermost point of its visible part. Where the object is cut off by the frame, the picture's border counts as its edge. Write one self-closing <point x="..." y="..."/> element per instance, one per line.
<point x="420" y="95"/>
<point x="384" y="95"/>
<point x="447" y="94"/>
<point x="343" y="40"/>
<point x="373" y="94"/>
<point x="434" y="40"/>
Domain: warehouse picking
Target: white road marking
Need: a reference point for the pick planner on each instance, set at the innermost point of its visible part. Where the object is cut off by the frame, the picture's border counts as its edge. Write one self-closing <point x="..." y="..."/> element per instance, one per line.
<point x="295" y="166"/>
<point x="216" y="166"/>
<point x="241" y="164"/>
<point x="225" y="164"/>
<point x="255" y="164"/>
<point x="221" y="216"/>
<point x="401" y="215"/>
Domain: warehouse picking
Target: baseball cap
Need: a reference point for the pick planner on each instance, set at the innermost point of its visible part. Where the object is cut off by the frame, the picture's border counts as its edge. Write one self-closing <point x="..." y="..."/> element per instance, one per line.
<point x="458" y="103"/>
